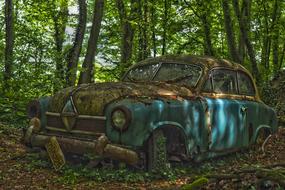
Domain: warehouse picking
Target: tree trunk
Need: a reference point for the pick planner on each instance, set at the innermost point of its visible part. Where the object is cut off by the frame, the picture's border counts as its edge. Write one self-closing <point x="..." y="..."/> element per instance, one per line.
<point x="266" y="44"/>
<point x="143" y="30"/>
<point x="127" y="30"/>
<point x="275" y="27"/>
<point x="9" y="40"/>
<point x="230" y="33"/>
<point x="275" y="54"/>
<point x="164" y="26"/>
<point x="245" y="36"/>
<point x="74" y="53"/>
<point x="282" y="56"/>
<point x="86" y="74"/>
<point x="146" y="49"/>
<point x="140" y="32"/>
<point x="60" y="20"/>
<point x="208" y="47"/>
<point x="153" y="22"/>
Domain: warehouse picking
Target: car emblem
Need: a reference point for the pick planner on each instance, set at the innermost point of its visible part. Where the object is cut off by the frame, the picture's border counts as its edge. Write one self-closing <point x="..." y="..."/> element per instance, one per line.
<point x="68" y="116"/>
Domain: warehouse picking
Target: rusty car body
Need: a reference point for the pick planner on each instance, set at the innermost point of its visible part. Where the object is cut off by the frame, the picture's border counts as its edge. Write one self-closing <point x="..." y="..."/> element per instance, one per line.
<point x="201" y="106"/>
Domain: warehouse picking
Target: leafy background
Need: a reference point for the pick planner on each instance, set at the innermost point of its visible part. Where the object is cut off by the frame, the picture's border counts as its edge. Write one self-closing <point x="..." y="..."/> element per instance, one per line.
<point x="179" y="22"/>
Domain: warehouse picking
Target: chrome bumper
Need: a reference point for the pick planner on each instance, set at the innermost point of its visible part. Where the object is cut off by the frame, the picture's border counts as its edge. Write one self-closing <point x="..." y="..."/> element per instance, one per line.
<point x="101" y="146"/>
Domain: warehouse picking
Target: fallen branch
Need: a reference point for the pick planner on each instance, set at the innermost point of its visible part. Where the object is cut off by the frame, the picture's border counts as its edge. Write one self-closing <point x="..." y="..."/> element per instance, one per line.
<point x="275" y="175"/>
<point x="264" y="143"/>
<point x="282" y="164"/>
<point x="223" y="176"/>
<point x="274" y="172"/>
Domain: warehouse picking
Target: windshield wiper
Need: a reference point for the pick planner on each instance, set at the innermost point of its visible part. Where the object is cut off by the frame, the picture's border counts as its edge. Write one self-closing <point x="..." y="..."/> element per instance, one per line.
<point x="180" y="78"/>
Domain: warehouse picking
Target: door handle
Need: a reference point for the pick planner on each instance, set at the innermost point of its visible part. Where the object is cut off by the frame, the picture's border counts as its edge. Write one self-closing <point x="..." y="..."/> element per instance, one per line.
<point x="243" y="109"/>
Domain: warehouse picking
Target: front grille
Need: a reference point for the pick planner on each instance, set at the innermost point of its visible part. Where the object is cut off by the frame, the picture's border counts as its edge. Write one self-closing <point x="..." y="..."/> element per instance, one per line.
<point x="84" y="124"/>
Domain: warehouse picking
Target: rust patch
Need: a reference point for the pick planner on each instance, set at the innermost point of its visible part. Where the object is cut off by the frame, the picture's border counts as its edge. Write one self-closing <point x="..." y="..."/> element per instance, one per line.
<point x="91" y="99"/>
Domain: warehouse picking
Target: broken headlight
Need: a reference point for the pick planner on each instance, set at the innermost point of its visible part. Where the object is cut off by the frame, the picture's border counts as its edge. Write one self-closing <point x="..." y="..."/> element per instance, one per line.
<point x="121" y="117"/>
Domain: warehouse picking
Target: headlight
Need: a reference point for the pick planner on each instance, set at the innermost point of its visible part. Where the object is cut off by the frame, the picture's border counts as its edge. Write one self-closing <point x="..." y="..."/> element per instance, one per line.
<point x="121" y="117"/>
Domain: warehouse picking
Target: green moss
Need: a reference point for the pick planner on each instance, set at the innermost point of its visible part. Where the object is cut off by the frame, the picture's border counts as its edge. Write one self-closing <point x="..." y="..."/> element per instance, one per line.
<point x="197" y="184"/>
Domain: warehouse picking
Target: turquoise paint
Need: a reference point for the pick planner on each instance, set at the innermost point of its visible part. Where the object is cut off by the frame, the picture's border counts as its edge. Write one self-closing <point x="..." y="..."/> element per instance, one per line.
<point x="229" y="123"/>
<point x="186" y="114"/>
<point x="44" y="103"/>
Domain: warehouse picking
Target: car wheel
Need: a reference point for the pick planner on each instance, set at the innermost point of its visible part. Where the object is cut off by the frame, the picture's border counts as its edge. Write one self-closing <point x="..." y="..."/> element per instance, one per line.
<point x="156" y="152"/>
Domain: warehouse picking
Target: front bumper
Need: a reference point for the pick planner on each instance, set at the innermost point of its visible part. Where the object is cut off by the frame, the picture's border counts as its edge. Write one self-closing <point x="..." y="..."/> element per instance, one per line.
<point x="99" y="147"/>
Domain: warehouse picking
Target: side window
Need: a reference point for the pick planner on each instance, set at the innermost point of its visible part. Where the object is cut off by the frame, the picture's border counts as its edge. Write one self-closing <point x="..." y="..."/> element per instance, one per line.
<point x="224" y="81"/>
<point x="207" y="85"/>
<point x="245" y="84"/>
<point x="142" y="73"/>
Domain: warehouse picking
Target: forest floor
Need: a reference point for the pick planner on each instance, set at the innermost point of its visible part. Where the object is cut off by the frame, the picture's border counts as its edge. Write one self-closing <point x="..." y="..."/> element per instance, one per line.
<point x="22" y="169"/>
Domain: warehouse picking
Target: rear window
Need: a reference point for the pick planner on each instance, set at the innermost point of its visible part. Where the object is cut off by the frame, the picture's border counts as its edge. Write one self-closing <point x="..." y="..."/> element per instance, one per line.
<point x="245" y="83"/>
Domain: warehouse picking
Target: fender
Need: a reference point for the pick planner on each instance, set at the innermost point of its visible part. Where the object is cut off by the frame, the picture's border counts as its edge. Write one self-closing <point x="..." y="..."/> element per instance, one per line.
<point x="260" y="127"/>
<point x="37" y="108"/>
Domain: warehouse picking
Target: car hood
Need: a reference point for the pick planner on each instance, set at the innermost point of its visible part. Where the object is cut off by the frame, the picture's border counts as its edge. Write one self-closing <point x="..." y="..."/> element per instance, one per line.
<point x="90" y="99"/>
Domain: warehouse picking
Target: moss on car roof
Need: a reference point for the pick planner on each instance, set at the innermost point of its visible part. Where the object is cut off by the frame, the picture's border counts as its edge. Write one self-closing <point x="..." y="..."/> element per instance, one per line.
<point x="207" y="61"/>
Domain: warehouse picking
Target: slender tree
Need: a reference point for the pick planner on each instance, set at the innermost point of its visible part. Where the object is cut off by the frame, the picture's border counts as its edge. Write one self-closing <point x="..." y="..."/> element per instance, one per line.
<point x="282" y="56"/>
<point x="165" y="26"/>
<point x="208" y="47"/>
<point x="86" y="75"/>
<point x="9" y="42"/>
<point x="140" y="32"/>
<point x="127" y="30"/>
<point x="275" y="27"/>
<point x="74" y="52"/>
<point x="153" y="31"/>
<point x="60" y="21"/>
<point x="230" y="32"/>
<point x="143" y="46"/>
<point x="266" y="46"/>
<point x="146" y="49"/>
<point x="245" y="35"/>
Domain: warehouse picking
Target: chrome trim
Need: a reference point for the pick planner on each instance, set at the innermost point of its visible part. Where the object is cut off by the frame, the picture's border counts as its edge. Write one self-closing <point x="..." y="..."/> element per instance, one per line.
<point x="79" y="116"/>
<point x="73" y="131"/>
<point x="53" y="114"/>
<point x="229" y="96"/>
<point x="91" y="117"/>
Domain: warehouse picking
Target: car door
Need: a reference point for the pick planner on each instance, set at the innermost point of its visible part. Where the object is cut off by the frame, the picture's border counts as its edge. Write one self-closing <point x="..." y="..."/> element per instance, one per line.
<point x="251" y="107"/>
<point x="225" y="118"/>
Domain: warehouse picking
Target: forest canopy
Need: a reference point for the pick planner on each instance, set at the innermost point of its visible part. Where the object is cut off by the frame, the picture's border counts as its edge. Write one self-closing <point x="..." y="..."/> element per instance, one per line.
<point x="47" y="45"/>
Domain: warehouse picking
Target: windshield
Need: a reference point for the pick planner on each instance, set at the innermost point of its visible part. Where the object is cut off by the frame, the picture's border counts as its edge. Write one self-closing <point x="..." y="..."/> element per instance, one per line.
<point x="185" y="74"/>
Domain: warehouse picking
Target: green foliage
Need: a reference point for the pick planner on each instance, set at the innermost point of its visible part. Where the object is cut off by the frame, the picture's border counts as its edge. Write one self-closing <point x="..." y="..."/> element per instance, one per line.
<point x="195" y="184"/>
<point x="35" y="161"/>
<point x="72" y="175"/>
<point x="272" y="93"/>
<point x="35" y="48"/>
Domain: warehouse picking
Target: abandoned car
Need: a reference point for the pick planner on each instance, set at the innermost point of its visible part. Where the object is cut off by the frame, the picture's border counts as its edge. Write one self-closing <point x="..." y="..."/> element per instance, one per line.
<point x="165" y="109"/>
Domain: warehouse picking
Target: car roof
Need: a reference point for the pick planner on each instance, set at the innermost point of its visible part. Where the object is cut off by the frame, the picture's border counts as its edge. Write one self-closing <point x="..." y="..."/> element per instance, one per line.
<point x="206" y="61"/>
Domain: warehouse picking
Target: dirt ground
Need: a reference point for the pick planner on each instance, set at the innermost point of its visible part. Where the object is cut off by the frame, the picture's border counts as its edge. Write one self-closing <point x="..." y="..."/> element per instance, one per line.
<point x="21" y="169"/>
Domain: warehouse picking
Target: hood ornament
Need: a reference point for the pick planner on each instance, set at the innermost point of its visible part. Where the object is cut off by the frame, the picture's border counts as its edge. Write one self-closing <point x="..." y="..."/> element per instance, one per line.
<point x="69" y="115"/>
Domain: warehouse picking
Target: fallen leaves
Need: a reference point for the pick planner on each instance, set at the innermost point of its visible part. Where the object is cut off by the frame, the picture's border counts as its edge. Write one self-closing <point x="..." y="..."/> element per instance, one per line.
<point x="22" y="169"/>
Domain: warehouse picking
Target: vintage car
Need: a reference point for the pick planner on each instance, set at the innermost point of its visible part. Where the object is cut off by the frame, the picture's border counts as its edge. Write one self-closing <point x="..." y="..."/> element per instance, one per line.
<point x="165" y="109"/>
